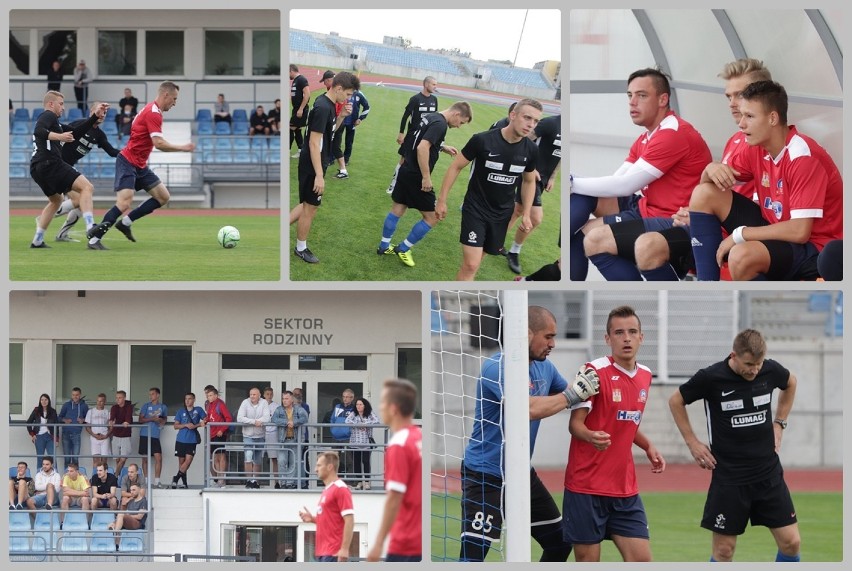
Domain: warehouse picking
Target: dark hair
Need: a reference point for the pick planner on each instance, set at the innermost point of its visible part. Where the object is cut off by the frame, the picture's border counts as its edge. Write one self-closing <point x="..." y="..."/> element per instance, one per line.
<point x="154" y="389"/>
<point x="368" y="408"/>
<point x="750" y="341"/>
<point x="622" y="311"/>
<point x="771" y="93"/>
<point x="294" y="67"/>
<point x="76" y="389"/>
<point x="121" y="393"/>
<point x="659" y="78"/>
<point x="402" y="393"/>
<point x="538" y="317"/>
<point x="346" y="80"/>
<point x="210" y="389"/>
<point x="45" y="411"/>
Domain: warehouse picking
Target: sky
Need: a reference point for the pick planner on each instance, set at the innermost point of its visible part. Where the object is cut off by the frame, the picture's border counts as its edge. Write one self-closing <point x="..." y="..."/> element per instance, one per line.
<point x="486" y="34"/>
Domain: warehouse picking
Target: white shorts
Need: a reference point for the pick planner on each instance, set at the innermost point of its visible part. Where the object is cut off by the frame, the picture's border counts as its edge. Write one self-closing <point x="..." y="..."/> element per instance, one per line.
<point x="121" y="446"/>
<point x="100" y="447"/>
<point x="272" y="444"/>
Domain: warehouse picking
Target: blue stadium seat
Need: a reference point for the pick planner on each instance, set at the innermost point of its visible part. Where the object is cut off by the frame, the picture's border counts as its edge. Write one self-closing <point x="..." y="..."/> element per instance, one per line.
<point x="37" y="111"/>
<point x="13" y="470"/>
<point x="206" y="143"/>
<point x="74" y="113"/>
<point x="21" y="143"/>
<point x="109" y="127"/>
<point x="223" y="157"/>
<point x="245" y="157"/>
<point x="223" y="144"/>
<point x="111" y="114"/>
<point x="19" y="542"/>
<point x="272" y="157"/>
<point x="106" y="171"/>
<point x="19" y="521"/>
<point x="101" y="519"/>
<point x="239" y="115"/>
<point x="75" y="521"/>
<point x="203" y="115"/>
<point x="102" y="542"/>
<point x="82" y="470"/>
<point x="22" y="158"/>
<point x="275" y="143"/>
<point x="17" y="171"/>
<point x="20" y="128"/>
<point x="222" y="128"/>
<point x="241" y="144"/>
<point x="207" y="157"/>
<point x="259" y="144"/>
<point x="47" y="529"/>
<point x="132" y="541"/>
<point x="240" y="127"/>
<point x="75" y="542"/>
<point x="204" y="128"/>
<point x="22" y="114"/>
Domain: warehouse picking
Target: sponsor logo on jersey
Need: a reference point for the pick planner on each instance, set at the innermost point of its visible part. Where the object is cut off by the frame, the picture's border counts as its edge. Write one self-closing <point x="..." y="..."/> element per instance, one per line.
<point x="732" y="404"/>
<point x="517" y="168"/>
<point x="779" y="186"/>
<point x="764" y="180"/>
<point x="762" y="400"/>
<point x="494" y="165"/>
<point x="615" y="377"/>
<point x="557" y="153"/>
<point x="720" y="522"/>
<point x="726" y="393"/>
<point x="634" y="416"/>
<point x="616" y="395"/>
<point x="775" y="206"/>
<point x="493" y="155"/>
<point x="502" y="178"/>
<point x="643" y="395"/>
<point x="471" y="237"/>
<point x="750" y="419"/>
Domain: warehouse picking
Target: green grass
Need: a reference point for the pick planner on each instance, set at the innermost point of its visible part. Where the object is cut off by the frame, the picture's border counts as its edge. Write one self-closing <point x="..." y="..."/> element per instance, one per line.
<point x="348" y="226"/>
<point x="167" y="248"/>
<point x="676" y="536"/>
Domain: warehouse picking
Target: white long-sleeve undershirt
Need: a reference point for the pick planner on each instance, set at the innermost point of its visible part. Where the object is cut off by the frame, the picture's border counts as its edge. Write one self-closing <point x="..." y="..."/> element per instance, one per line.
<point x="628" y="179"/>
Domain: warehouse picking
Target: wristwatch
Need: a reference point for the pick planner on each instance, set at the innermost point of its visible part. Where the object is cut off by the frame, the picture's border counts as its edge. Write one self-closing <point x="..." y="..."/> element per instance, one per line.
<point x="782" y="422"/>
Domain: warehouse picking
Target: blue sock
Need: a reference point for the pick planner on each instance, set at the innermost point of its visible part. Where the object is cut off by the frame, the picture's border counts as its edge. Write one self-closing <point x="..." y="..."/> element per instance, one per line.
<point x="144" y="209"/>
<point x="787" y="558"/>
<point x="712" y="560"/>
<point x="706" y="233"/>
<point x="111" y="216"/>
<point x="420" y="229"/>
<point x="664" y="273"/>
<point x="578" y="263"/>
<point x="581" y="208"/>
<point x="391" y="220"/>
<point x="615" y="268"/>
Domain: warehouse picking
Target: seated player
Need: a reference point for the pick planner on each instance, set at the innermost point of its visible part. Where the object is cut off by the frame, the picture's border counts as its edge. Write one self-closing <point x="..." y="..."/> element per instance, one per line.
<point x="800" y="193"/>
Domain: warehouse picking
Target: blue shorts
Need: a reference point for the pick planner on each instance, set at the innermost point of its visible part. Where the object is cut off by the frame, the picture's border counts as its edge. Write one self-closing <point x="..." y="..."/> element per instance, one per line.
<point x="40" y="500"/>
<point x="129" y="176"/>
<point x="588" y="519"/>
<point x="254" y="446"/>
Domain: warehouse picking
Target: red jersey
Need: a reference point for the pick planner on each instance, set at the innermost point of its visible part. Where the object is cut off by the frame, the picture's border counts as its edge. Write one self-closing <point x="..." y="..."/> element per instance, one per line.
<point x="617" y="410"/>
<point x="677" y="154"/>
<point x="147" y="124"/>
<point x="403" y="474"/>
<point x="334" y="503"/>
<point x="735" y="145"/>
<point x="218" y="412"/>
<point x="801" y="182"/>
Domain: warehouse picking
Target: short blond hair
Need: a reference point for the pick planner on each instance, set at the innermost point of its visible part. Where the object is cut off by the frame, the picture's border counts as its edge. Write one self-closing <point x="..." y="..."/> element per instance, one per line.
<point x="52" y="96"/>
<point x="749" y="66"/>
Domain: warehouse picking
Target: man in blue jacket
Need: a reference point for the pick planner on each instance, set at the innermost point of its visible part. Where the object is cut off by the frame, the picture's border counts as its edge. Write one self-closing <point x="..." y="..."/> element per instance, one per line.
<point x="340" y="434"/>
<point x="360" y="109"/>
<point x="73" y="413"/>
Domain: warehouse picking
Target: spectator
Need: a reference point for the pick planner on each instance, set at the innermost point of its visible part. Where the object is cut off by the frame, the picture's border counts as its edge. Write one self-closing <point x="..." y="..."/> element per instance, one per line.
<point x="104" y="488"/>
<point x="73" y="413"/>
<point x="97" y="425"/>
<point x="54" y="76"/>
<point x="138" y="513"/>
<point x="288" y="418"/>
<point x="127" y="109"/>
<point x="187" y="421"/>
<point x="298" y="400"/>
<point x="47" y="486"/>
<point x="82" y="79"/>
<point x="259" y="123"/>
<point x="340" y="434"/>
<point x="361" y="439"/>
<point x="253" y="414"/>
<point x="152" y="417"/>
<point x="128" y="99"/>
<point x="217" y="411"/>
<point x="271" y="438"/>
<point x="39" y="426"/>
<point x="274" y="117"/>
<point x="120" y="419"/>
<point x="133" y="478"/>
<point x="21" y="487"/>
<point x="75" y="490"/>
<point x="221" y="110"/>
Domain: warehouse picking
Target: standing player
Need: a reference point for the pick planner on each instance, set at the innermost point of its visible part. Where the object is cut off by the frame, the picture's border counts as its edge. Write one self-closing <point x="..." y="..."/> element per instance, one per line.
<point x="748" y="480"/>
<point x="483" y="465"/>
<point x="335" y="517"/>
<point x="401" y="517"/>
<point x="131" y="167"/>
<point x="300" y="96"/>
<point x="53" y="175"/>
<point x="360" y="110"/>
<point x="419" y="104"/>
<point x="503" y="161"/>
<point x="414" y="177"/>
<point x="187" y="421"/>
<point x="152" y="416"/>
<point x="548" y="136"/>
<point x="800" y="192"/>
<point x="601" y="499"/>
<point x="316" y="156"/>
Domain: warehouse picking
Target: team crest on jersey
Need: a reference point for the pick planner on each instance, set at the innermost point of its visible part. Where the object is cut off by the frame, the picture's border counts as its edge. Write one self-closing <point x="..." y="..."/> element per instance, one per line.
<point x="779" y="186"/>
<point x="616" y="395"/>
<point x="775" y="206"/>
<point x="643" y="395"/>
<point x="634" y="416"/>
<point x="764" y="180"/>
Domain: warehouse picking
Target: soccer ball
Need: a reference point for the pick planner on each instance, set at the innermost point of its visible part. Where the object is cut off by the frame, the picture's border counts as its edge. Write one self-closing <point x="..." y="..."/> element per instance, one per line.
<point x="229" y="237"/>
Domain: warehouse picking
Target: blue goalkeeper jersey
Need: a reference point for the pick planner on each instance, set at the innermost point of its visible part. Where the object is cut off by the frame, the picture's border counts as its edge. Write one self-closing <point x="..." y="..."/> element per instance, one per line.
<point x="484" y="452"/>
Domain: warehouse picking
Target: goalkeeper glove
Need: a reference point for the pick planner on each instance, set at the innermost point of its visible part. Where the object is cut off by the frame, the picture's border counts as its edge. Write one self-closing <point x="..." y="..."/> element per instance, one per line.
<point x="586" y="384"/>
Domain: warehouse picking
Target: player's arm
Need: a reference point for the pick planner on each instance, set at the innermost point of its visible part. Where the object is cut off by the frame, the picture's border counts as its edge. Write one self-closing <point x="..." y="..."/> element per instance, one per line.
<point x="578" y="429"/>
<point x="699" y="451"/>
<point x="393" y="501"/>
<point x="315" y="148"/>
<point x="306" y="96"/>
<point x="658" y="463"/>
<point x="722" y="175"/>
<point x="365" y="109"/>
<point x="348" y="528"/>
<point x="455" y="168"/>
<point x="423" y="149"/>
<point x="628" y="179"/>
<point x="585" y="385"/>
<point x="795" y="230"/>
<point x="405" y="116"/>
<point x="161" y="144"/>
<point x="527" y="197"/>
<point x="783" y="408"/>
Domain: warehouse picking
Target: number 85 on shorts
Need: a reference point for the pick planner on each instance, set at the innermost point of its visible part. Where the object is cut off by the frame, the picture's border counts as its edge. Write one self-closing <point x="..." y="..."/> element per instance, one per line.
<point x="481" y="501"/>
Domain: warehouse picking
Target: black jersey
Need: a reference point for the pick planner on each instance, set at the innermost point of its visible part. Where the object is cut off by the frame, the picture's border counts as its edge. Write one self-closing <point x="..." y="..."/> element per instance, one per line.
<point x="433" y="128"/>
<point x="320" y="120"/>
<point x="418" y="106"/>
<point x="500" y="123"/>
<point x="297" y="91"/>
<point x="739" y="419"/>
<point x="83" y="144"/>
<point x="549" y="139"/>
<point x="496" y="172"/>
<point x="48" y="122"/>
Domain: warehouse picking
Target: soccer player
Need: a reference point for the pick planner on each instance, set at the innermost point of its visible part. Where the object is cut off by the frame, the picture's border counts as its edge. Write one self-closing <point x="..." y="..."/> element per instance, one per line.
<point x="503" y="161"/>
<point x="800" y="198"/>
<point x="131" y="168"/>
<point x="187" y="421"/>
<point x="316" y="156"/>
<point x="601" y="499"/>
<point x="152" y="416"/>
<point x="483" y="464"/>
<point x="419" y="104"/>
<point x="548" y="136"/>
<point x="300" y="96"/>
<point x="747" y="478"/>
<point x="53" y="175"/>
<point x="335" y="517"/>
<point x="414" y="179"/>
<point x="665" y="163"/>
<point x="653" y="252"/>
<point x="401" y="518"/>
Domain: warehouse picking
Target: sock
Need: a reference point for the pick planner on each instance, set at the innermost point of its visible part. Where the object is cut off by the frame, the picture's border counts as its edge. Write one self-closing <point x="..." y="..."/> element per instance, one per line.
<point x="144" y="209"/>
<point x="787" y="558"/>
<point x="581" y="208"/>
<point x="547" y="273"/>
<point x="301" y="245"/>
<point x="417" y="233"/>
<point x="706" y="233"/>
<point x="615" y="268"/>
<point x="578" y="263"/>
<point x="39" y="236"/>
<point x="712" y="560"/>
<point x="391" y="221"/>
<point x="73" y="215"/>
<point x="343" y="170"/>
<point x="87" y="216"/>
<point x="65" y="207"/>
<point x="516" y="248"/>
<point x="664" y="273"/>
<point x="554" y="548"/>
<point x="156" y="481"/>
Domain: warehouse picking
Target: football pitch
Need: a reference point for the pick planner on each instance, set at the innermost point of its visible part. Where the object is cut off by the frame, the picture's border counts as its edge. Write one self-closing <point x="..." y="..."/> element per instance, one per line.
<point x="673" y="520"/>
<point x="348" y="226"/>
<point x="170" y="246"/>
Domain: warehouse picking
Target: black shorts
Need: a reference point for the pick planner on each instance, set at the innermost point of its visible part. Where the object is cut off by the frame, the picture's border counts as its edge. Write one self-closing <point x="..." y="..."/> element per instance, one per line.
<point x="788" y="261"/>
<point x="628" y="231"/>
<point x="155" y="446"/>
<point x="729" y="507"/>
<point x="185" y="449"/>
<point x="407" y="191"/>
<point x="54" y="177"/>
<point x="299" y="122"/>
<point x="481" y="232"/>
<point x="539" y="188"/>
<point x="217" y="442"/>
<point x="306" y="183"/>
<point x="406" y="143"/>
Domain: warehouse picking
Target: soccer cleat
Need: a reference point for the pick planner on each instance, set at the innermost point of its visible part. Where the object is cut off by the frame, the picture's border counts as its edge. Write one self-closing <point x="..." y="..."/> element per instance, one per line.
<point x="42" y="245"/>
<point x="341" y="174"/>
<point x="514" y="262"/>
<point x="174" y="483"/>
<point x="62" y="235"/>
<point x="98" y="230"/>
<point x="64" y="238"/>
<point x="96" y="246"/>
<point x="124" y="229"/>
<point x="295" y="155"/>
<point x="389" y="251"/>
<point x="406" y="258"/>
<point x="306" y="255"/>
<point x="503" y="252"/>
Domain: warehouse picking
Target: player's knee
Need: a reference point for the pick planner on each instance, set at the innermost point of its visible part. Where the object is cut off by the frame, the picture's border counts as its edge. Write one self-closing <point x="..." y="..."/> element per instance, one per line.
<point x="704" y="197"/>
<point x="595" y="240"/>
<point x="536" y="216"/>
<point x="724" y="551"/>
<point x="651" y="251"/>
<point x="790" y="543"/>
<point x="744" y="263"/>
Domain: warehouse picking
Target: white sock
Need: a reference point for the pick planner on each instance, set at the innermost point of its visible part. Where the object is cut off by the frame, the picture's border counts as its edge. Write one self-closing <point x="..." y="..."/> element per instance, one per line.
<point x="516" y="248"/>
<point x="301" y="245"/>
<point x="89" y="217"/>
<point x="126" y="221"/>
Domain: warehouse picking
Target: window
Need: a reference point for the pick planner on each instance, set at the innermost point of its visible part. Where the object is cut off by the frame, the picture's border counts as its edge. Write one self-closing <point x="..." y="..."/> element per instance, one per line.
<point x="332" y="362"/>
<point x="93" y="368"/>
<point x="266" y="52"/>
<point x="117" y="52"/>
<point x="166" y="367"/>
<point x="57" y="45"/>
<point x="238" y="361"/>
<point x="409" y="365"/>
<point x="164" y="53"/>
<point x="16" y="378"/>
<point x="19" y="52"/>
<point x="223" y="52"/>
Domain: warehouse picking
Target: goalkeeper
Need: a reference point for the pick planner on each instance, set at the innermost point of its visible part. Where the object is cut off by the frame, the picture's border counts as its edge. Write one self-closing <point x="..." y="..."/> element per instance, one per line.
<point x="482" y="468"/>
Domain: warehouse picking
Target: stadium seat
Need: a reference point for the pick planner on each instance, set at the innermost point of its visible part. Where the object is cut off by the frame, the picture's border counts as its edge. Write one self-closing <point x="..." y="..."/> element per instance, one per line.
<point x="132" y="541"/>
<point x="111" y="114"/>
<point x="109" y="127"/>
<point x="18" y="542"/>
<point x="19" y="521"/>
<point x="204" y="128"/>
<point x="74" y="113"/>
<point x="245" y="157"/>
<point x="239" y="115"/>
<point x="102" y="542"/>
<point x="20" y="128"/>
<point x="222" y="128"/>
<point x="240" y="127"/>
<point x="22" y="158"/>
<point x="75" y="521"/>
<point x="21" y="143"/>
<point x="106" y="171"/>
<point x="223" y="144"/>
<point x="82" y="470"/>
<point x="47" y="529"/>
<point x="204" y="115"/>
<point x="207" y="157"/>
<point x="74" y="542"/>
<point x="37" y="111"/>
<point x="13" y="470"/>
<point x="22" y="114"/>
<point x="206" y="143"/>
<point x="101" y="519"/>
<point x="273" y="157"/>
<point x="275" y="143"/>
<point x="241" y="144"/>
<point x="223" y="157"/>
<point x="259" y="144"/>
<point x="17" y="171"/>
